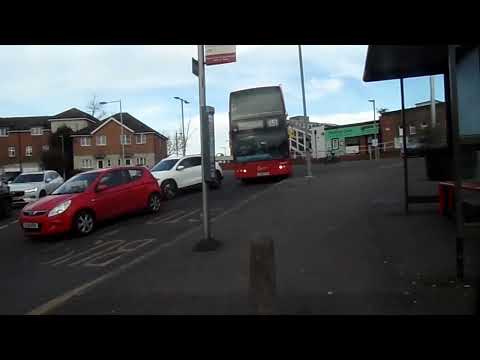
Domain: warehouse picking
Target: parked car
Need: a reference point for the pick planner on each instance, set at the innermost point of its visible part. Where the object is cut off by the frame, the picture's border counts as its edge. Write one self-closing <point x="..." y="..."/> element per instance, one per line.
<point x="5" y="200"/>
<point x="29" y="187"/>
<point x="90" y="197"/>
<point x="9" y="176"/>
<point x="175" y="173"/>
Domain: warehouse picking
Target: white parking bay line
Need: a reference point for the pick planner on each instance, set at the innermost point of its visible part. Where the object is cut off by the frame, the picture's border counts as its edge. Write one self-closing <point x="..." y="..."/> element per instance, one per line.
<point x="3" y="227"/>
<point x="113" y="232"/>
<point x="55" y="303"/>
<point x="182" y="217"/>
<point x="14" y="222"/>
<point x="168" y="216"/>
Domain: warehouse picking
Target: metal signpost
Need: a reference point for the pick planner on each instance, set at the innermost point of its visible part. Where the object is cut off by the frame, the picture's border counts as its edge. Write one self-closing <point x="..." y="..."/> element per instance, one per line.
<point x="216" y="54"/>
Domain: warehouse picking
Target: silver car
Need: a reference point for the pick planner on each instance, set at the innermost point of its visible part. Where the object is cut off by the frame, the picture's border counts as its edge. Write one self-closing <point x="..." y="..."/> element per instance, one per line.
<point x="29" y="187"/>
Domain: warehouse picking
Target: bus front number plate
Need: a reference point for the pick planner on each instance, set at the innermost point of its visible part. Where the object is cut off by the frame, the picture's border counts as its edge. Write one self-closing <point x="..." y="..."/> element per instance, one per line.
<point x="265" y="173"/>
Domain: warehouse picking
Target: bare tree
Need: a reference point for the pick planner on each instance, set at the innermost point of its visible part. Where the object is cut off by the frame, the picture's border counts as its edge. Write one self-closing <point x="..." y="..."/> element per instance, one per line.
<point x="175" y="143"/>
<point x="94" y="107"/>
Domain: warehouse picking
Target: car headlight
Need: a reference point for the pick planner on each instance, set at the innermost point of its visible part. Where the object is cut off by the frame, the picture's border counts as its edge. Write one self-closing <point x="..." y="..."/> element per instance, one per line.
<point x="60" y="208"/>
<point x="31" y="190"/>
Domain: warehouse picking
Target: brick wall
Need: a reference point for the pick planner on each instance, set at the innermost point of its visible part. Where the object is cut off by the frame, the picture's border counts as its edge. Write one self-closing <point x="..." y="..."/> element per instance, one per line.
<point x="155" y="147"/>
<point x="20" y="140"/>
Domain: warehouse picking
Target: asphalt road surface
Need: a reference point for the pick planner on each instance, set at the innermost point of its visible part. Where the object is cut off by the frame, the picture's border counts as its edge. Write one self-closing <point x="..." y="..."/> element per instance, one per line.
<point x="32" y="272"/>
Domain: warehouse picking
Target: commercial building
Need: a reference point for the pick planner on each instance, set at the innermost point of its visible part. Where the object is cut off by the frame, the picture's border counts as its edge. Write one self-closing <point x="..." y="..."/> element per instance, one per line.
<point x="418" y="124"/>
<point x="352" y="141"/>
<point x="102" y="145"/>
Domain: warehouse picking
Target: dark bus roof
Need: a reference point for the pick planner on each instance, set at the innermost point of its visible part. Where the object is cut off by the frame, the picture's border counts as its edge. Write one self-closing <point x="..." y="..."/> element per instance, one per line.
<point x="255" y="88"/>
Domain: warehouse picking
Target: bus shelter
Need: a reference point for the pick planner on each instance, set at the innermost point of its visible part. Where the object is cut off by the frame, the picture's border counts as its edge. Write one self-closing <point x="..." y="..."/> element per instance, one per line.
<point x="460" y="67"/>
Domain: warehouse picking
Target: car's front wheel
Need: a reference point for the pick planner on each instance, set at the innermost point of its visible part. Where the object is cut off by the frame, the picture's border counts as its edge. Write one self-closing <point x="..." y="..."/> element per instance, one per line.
<point x="84" y="223"/>
<point x="169" y="189"/>
<point x="154" y="203"/>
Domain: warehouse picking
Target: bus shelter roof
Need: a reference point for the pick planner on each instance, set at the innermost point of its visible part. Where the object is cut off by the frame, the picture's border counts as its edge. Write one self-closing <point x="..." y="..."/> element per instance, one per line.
<point x="387" y="62"/>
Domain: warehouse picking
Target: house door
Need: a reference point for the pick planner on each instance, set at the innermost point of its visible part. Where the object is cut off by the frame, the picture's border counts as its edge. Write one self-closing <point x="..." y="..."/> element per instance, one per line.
<point x="100" y="164"/>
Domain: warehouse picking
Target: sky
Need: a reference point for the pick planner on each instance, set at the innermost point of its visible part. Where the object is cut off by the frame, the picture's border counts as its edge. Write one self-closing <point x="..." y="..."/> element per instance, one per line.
<point x="46" y="80"/>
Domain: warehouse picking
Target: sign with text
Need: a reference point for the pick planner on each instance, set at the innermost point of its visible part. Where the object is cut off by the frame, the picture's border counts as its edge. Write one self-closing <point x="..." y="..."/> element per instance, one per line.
<point x="220" y="54"/>
<point x="194" y="67"/>
<point x="208" y="145"/>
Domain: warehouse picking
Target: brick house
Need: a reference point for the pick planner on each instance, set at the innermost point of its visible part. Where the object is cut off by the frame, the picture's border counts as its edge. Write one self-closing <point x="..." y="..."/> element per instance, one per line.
<point x="23" y="139"/>
<point x="418" y="121"/>
<point x="99" y="145"/>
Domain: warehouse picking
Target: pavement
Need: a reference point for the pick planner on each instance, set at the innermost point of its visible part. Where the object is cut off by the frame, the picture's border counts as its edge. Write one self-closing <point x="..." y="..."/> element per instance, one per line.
<point x="34" y="272"/>
<point x="342" y="246"/>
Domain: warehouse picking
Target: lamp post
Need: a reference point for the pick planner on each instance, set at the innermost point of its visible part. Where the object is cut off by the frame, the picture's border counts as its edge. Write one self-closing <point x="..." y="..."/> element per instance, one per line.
<point x="183" y="124"/>
<point x="63" y="154"/>
<point x="305" y="145"/>
<point x="122" y="140"/>
<point x="376" y="128"/>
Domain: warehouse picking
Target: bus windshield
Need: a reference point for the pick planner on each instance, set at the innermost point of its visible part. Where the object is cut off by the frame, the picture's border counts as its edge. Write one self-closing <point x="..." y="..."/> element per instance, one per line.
<point x="260" y="145"/>
<point x="252" y="102"/>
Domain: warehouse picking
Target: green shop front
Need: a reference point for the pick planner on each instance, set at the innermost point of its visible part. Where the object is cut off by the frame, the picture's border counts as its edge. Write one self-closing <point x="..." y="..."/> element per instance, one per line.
<point x="353" y="140"/>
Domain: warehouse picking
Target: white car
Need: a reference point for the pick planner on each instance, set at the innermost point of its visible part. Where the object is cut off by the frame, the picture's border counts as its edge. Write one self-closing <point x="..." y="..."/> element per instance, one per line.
<point x="29" y="187"/>
<point x="176" y="173"/>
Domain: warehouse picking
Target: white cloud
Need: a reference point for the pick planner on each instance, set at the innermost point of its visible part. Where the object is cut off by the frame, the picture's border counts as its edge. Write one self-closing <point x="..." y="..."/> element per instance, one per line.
<point x="321" y="87"/>
<point x="342" y="118"/>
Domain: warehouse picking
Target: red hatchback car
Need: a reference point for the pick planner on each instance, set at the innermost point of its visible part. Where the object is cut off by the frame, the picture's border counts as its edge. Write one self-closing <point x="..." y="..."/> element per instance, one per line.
<point x="90" y="197"/>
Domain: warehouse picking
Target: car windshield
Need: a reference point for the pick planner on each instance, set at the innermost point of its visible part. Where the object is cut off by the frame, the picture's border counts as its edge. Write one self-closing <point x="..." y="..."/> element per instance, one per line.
<point x="165" y="165"/>
<point x="28" y="178"/>
<point x="77" y="184"/>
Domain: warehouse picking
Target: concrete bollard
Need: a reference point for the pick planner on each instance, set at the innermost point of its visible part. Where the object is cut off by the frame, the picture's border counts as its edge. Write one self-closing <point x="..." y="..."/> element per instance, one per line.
<point x="262" y="275"/>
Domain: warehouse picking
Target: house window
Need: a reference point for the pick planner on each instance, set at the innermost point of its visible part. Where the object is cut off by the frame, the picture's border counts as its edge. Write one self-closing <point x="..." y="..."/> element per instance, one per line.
<point x="413" y="130"/>
<point x="28" y="150"/>
<point x="125" y="139"/>
<point x="141" y="139"/>
<point x="11" y="151"/>
<point x="36" y="131"/>
<point x="85" y="141"/>
<point x="119" y="162"/>
<point x="424" y="125"/>
<point x="102" y="140"/>
<point x="400" y="131"/>
<point x="3" y="131"/>
<point x="109" y="163"/>
<point x="45" y="147"/>
<point x="87" y="163"/>
<point x="141" y="161"/>
<point x="128" y="162"/>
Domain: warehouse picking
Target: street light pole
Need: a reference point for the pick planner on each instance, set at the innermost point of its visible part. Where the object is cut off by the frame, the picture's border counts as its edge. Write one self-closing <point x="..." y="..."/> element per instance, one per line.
<point x="376" y="130"/>
<point x="122" y="142"/>
<point x="184" y="145"/>
<point x="122" y="135"/>
<point x="307" y="150"/>
<point x="63" y="153"/>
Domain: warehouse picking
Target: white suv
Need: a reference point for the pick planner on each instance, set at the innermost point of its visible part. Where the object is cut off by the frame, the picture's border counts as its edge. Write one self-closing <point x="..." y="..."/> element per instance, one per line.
<point x="174" y="173"/>
<point x="29" y="187"/>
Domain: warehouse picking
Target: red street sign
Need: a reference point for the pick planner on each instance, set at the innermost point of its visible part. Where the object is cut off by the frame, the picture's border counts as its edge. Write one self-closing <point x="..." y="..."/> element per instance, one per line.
<point x="220" y="54"/>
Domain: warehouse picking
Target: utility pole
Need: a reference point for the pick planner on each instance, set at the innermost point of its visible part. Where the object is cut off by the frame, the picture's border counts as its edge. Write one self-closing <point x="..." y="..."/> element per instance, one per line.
<point x="432" y="101"/>
<point x="63" y="154"/>
<point x="207" y="243"/>
<point x="377" y="154"/>
<point x="306" y="147"/>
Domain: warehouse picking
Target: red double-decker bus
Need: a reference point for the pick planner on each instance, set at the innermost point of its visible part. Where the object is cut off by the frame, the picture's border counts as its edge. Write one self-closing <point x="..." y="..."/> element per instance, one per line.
<point x="258" y="133"/>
